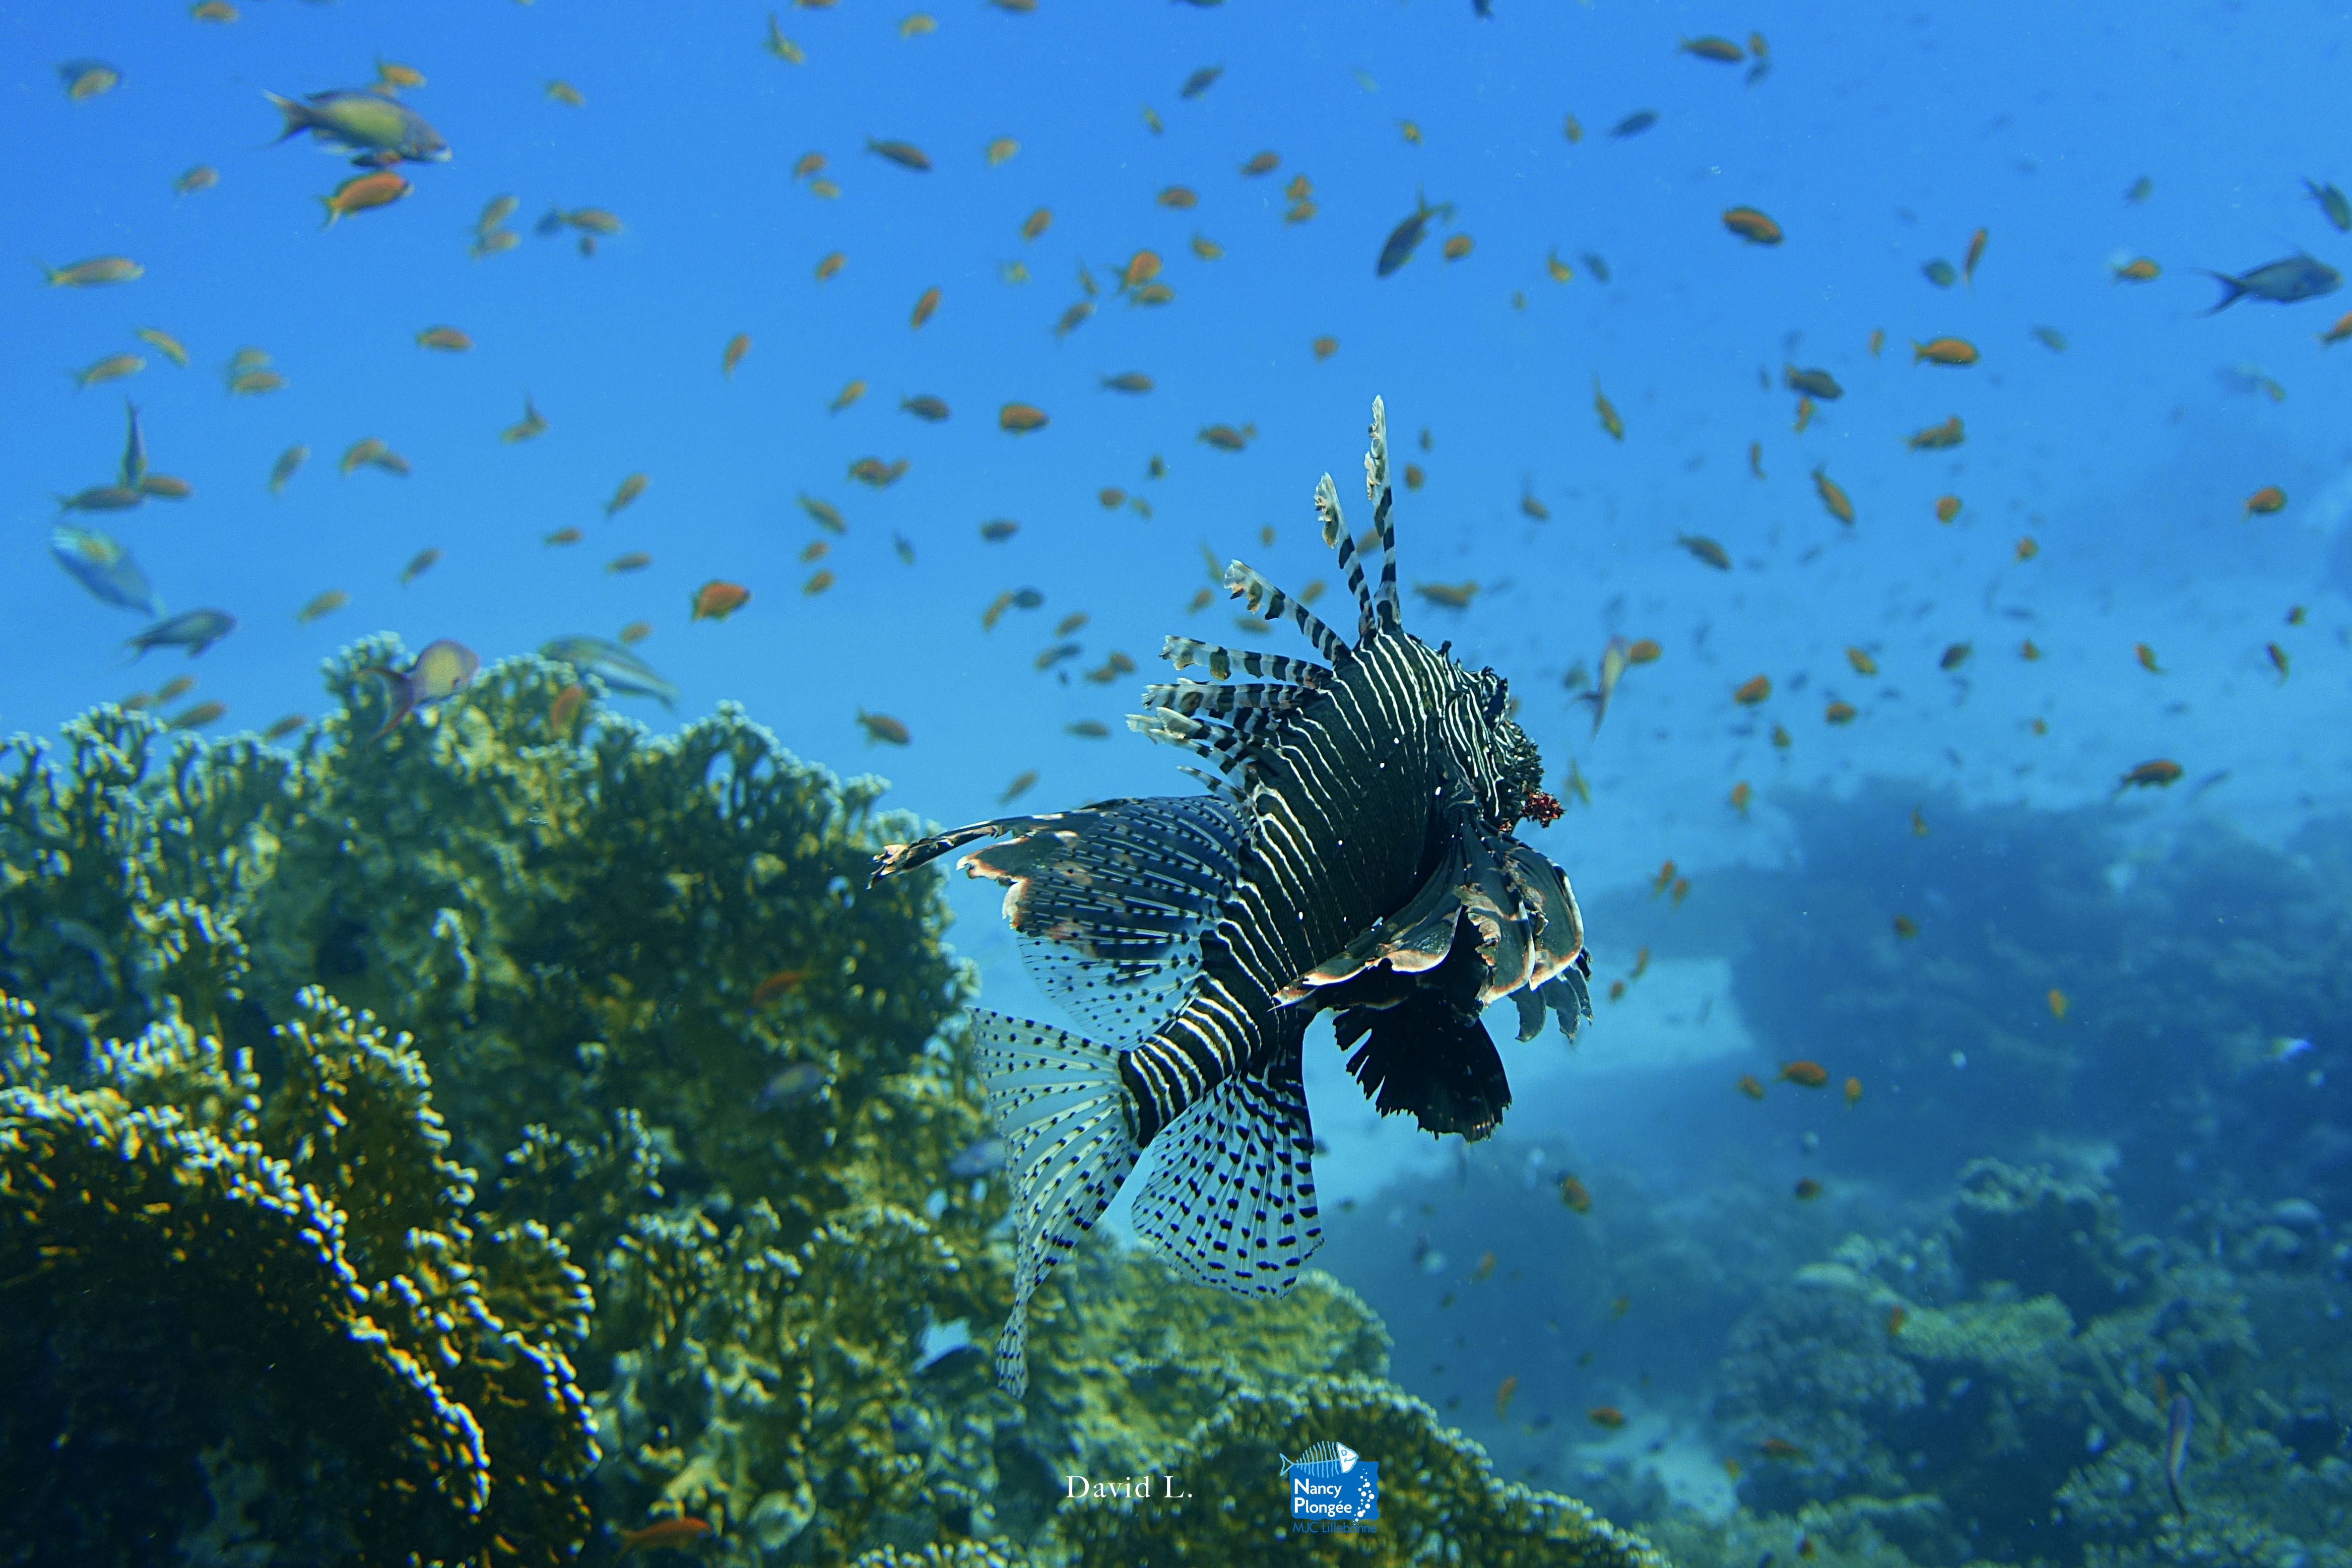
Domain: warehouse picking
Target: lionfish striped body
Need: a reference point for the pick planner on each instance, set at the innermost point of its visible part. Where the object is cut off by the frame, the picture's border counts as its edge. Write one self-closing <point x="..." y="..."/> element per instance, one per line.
<point x="1353" y="854"/>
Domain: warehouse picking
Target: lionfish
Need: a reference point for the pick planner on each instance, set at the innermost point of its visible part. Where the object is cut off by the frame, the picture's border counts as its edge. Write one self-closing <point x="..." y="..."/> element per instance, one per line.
<point x="1353" y="853"/>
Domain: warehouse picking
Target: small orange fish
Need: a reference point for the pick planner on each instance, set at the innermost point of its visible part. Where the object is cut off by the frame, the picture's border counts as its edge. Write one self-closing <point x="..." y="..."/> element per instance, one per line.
<point x="1946" y="508"/>
<point x="1177" y="198"/>
<point x="1808" y="1189"/>
<point x="1944" y="351"/>
<point x="833" y="262"/>
<point x="2058" y="1004"/>
<point x="1019" y="418"/>
<point x="2138" y="271"/>
<point x="1976" y="254"/>
<point x="1804" y="1073"/>
<point x="1721" y="50"/>
<point x="737" y="347"/>
<point x="1261" y="163"/>
<point x="924" y="307"/>
<point x="1749" y="1086"/>
<point x="2147" y="657"/>
<point x="680" y="1530"/>
<point x="1780" y="737"/>
<point x="1918" y="824"/>
<point x="633" y="561"/>
<point x="1616" y="990"/>
<point x="1607" y="1416"/>
<point x="2029" y="650"/>
<point x="1838" y="713"/>
<point x="1731" y="1468"/>
<point x="817" y="584"/>
<point x="1895" y="1317"/>
<point x="1036" y="223"/>
<point x="2268" y="499"/>
<point x="1621" y="1305"/>
<point x="1457" y="246"/>
<point x="1877" y="340"/>
<point x="2278" y="660"/>
<point x="1938" y="438"/>
<point x="1574" y="1193"/>
<point x="1905" y="927"/>
<point x="1753" y="690"/>
<point x="1485" y="1266"/>
<point x="1642" y="650"/>
<point x="629" y="490"/>
<point x="1664" y="879"/>
<point x="1756" y="458"/>
<point x="1608" y="413"/>
<point x="1779" y="1448"/>
<point x="1740" y="797"/>
<point x="882" y="727"/>
<point x="1956" y="656"/>
<point x="714" y="600"/>
<point x="1852" y="1090"/>
<point x="1503" y="1392"/>
<point x="1752" y="225"/>
<point x="636" y="631"/>
<point x="1325" y="347"/>
<point x="362" y="192"/>
<point x="1839" y="504"/>
<point x="1804" y="415"/>
<point x="777" y="984"/>
<point x="1862" y="663"/>
<point x="564" y="536"/>
<point x="2340" y="331"/>
<point x="565" y="708"/>
<point x="2028" y="547"/>
<point x="1680" y="890"/>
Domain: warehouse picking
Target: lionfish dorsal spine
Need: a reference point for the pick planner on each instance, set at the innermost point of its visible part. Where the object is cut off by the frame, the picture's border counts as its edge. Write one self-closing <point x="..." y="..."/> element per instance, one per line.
<point x="1185" y="653"/>
<point x="1351" y="560"/>
<point x="1385" y="612"/>
<point x="1272" y="604"/>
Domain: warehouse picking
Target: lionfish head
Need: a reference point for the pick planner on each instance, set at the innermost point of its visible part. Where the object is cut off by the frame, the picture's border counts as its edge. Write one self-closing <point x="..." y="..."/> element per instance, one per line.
<point x="1503" y="757"/>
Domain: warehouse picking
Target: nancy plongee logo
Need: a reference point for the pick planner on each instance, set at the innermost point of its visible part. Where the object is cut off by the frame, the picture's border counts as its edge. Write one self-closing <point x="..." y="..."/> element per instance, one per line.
<point x="1332" y="1485"/>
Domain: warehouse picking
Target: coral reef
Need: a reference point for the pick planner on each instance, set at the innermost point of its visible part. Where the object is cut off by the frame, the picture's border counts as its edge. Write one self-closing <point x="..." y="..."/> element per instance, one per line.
<point x="471" y="1053"/>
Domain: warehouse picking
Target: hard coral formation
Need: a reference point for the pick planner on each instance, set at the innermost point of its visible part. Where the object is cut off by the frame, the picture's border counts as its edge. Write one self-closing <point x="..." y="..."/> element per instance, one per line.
<point x="233" y="1319"/>
<point x="677" y="1102"/>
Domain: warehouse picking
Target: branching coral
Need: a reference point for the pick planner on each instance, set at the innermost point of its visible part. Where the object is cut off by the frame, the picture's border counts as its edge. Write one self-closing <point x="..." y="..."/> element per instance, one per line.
<point x="194" y="1310"/>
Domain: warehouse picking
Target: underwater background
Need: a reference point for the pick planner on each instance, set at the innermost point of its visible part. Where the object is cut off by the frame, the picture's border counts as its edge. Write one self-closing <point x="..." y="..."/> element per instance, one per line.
<point x="515" y="1133"/>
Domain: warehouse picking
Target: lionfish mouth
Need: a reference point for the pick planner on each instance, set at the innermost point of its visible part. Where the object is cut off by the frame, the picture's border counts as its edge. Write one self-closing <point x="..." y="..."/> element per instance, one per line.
<point x="1541" y="809"/>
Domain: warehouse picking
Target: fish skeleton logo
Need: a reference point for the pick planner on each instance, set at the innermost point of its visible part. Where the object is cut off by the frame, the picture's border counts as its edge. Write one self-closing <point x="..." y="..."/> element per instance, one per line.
<point x="1330" y="1481"/>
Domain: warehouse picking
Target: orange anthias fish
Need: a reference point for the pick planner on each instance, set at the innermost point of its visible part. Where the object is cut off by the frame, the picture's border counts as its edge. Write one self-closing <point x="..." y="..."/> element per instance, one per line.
<point x="1852" y="1090"/>
<point x="363" y="192"/>
<point x="565" y="708"/>
<point x="714" y="600"/>
<point x="1663" y="879"/>
<point x="1833" y="497"/>
<point x="1607" y="1416"/>
<point x="1749" y="1086"/>
<point x="1740" y="797"/>
<point x="1752" y="225"/>
<point x="1574" y="1194"/>
<point x="2268" y="499"/>
<point x="1804" y="1075"/>
<point x="1944" y="351"/>
<point x="1938" y="438"/>
<point x="680" y="1531"/>
<point x="1976" y="254"/>
<point x="1753" y="691"/>
<point x="1503" y="1392"/>
<point x="1608" y="412"/>
<point x="2158" y="775"/>
<point x="2058" y="1004"/>
<point x="925" y="307"/>
<point x="1019" y="418"/>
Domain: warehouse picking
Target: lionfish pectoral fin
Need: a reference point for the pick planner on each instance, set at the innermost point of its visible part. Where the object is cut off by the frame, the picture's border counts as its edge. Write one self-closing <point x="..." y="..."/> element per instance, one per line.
<point x="1231" y="1198"/>
<point x="1067" y="1122"/>
<point x="896" y="857"/>
<point x="1412" y="941"/>
<point x="1531" y="1012"/>
<point x="1569" y="993"/>
<point x="1559" y="931"/>
<point x="1427" y="1056"/>
<point x="1111" y="900"/>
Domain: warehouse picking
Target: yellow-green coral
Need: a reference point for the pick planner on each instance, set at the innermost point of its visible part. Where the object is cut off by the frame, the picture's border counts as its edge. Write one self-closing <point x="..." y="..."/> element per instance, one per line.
<point x="189" y="1300"/>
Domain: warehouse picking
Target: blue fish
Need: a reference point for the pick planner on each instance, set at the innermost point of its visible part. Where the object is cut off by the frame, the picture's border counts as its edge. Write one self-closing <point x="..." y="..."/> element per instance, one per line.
<point x="195" y="630"/>
<point x="381" y="131"/>
<point x="441" y="669"/>
<point x="1407" y="235"/>
<point x="99" y="564"/>
<point x="1633" y="124"/>
<point x="621" y="671"/>
<point x="2297" y="276"/>
<point x="2333" y="203"/>
<point x="2176" y="1447"/>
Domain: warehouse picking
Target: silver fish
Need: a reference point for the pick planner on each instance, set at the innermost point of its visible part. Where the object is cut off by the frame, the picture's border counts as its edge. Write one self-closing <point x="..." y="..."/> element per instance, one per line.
<point x="620" y="670"/>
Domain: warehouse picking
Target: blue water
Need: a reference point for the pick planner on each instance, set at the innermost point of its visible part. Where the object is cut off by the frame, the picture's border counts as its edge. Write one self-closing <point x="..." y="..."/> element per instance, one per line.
<point x="1879" y="141"/>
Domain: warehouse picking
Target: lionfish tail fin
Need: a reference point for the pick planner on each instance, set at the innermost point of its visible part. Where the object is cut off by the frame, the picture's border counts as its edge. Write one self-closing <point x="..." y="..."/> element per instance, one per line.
<point x="1231" y="1199"/>
<point x="1385" y="611"/>
<point x="1272" y="604"/>
<point x="1058" y="1103"/>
